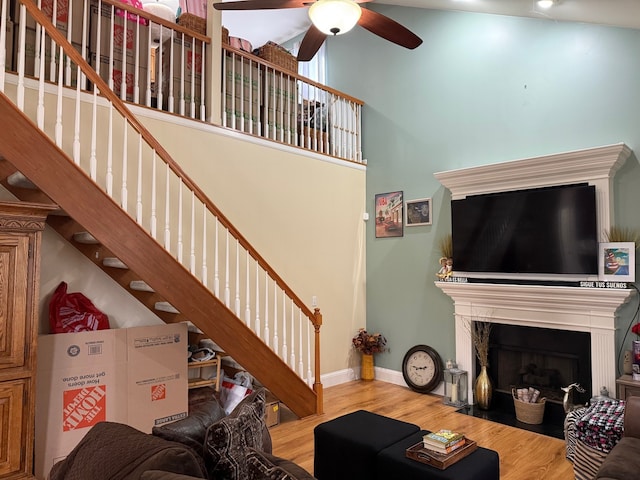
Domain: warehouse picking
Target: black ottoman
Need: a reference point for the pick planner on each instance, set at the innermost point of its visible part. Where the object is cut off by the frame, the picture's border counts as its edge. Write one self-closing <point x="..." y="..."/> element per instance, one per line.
<point x="346" y="447"/>
<point x="392" y="462"/>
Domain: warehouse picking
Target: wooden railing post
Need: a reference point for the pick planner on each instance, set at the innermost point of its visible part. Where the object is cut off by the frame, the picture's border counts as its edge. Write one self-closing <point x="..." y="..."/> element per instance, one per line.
<point x="317" y="384"/>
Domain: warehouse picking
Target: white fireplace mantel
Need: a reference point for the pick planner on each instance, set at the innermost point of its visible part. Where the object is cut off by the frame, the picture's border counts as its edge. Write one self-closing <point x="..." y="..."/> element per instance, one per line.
<point x="584" y="309"/>
<point x="591" y="310"/>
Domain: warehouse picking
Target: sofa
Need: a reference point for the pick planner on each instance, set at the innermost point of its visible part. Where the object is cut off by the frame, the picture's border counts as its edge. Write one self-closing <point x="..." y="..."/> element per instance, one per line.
<point x="623" y="461"/>
<point x="207" y="444"/>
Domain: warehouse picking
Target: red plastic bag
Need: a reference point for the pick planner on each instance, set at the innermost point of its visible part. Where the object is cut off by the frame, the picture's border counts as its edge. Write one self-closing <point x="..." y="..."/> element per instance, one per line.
<point x="73" y="312"/>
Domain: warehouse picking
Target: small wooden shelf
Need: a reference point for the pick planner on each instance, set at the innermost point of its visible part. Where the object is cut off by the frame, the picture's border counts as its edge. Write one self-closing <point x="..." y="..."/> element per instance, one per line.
<point x="198" y="382"/>
<point x="627" y="386"/>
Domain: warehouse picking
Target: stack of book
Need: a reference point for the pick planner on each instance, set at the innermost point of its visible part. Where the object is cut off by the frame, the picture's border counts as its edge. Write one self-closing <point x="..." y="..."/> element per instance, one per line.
<point x="443" y="441"/>
<point x="442" y="449"/>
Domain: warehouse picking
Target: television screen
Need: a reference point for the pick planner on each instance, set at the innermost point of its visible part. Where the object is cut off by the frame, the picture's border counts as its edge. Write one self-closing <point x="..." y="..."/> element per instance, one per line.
<point x="539" y="231"/>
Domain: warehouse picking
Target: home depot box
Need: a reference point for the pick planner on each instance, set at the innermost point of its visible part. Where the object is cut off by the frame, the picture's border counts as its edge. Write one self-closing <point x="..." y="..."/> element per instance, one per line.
<point x="68" y="15"/>
<point x="272" y="410"/>
<point x="127" y="71"/>
<point x="157" y="377"/>
<point x="81" y="380"/>
<point x="242" y="77"/>
<point x="136" y="376"/>
<point x="185" y="78"/>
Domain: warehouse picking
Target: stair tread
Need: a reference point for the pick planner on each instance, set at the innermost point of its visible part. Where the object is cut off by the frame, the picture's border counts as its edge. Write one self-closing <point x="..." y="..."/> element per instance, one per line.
<point x="114" y="263"/>
<point x="141" y="286"/>
<point x="85" y="237"/>
<point x="166" y="307"/>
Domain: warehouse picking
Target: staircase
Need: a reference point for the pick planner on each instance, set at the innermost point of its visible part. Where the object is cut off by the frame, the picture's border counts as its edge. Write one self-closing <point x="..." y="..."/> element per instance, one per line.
<point x="95" y="217"/>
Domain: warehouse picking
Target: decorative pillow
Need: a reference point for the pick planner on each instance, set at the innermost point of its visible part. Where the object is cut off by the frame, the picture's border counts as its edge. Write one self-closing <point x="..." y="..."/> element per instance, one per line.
<point x="262" y="466"/>
<point x="191" y="431"/>
<point x="227" y="441"/>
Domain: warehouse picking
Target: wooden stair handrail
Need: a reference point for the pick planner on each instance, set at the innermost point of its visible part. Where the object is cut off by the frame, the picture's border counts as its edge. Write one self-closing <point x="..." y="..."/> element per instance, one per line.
<point x="121" y="107"/>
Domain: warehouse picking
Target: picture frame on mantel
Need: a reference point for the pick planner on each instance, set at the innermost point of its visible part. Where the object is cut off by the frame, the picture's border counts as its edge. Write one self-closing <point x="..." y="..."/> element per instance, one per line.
<point x="617" y="261"/>
<point x="418" y="212"/>
<point x="389" y="214"/>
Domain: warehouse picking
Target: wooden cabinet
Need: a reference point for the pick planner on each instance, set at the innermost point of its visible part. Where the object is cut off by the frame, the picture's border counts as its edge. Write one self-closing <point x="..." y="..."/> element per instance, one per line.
<point x="21" y="224"/>
<point x="626" y="386"/>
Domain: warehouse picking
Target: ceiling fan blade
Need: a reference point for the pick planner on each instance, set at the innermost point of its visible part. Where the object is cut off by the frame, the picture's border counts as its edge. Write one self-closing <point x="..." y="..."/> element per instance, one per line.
<point x="311" y="43"/>
<point x="259" y="4"/>
<point x="388" y="29"/>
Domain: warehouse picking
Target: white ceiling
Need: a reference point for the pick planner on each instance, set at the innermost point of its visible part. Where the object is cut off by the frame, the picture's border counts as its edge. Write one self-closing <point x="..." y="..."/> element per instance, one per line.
<point x="281" y="25"/>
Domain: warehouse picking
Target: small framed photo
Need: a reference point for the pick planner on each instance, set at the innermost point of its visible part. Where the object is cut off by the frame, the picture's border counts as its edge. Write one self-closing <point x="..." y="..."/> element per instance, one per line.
<point x="418" y="212"/>
<point x="617" y="261"/>
<point x="389" y="215"/>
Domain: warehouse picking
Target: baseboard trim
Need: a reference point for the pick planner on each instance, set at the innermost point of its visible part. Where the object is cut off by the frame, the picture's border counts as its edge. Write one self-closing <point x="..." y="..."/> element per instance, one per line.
<point x="382" y="374"/>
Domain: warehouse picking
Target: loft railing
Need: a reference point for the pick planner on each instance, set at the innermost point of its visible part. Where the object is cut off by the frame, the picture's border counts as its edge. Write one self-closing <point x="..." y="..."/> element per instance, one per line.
<point x="156" y="63"/>
<point x="263" y="99"/>
<point x="101" y="135"/>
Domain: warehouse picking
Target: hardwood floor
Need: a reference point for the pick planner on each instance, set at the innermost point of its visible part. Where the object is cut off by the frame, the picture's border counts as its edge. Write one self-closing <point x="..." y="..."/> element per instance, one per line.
<point x="523" y="455"/>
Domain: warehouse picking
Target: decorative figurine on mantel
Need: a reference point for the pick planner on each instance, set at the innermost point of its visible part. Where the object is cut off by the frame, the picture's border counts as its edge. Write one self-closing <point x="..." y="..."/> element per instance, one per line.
<point x="446" y="268"/>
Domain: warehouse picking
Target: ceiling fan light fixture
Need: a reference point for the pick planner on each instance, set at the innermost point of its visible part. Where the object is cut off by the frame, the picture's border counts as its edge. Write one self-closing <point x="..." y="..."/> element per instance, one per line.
<point x="546" y="3"/>
<point x="335" y="17"/>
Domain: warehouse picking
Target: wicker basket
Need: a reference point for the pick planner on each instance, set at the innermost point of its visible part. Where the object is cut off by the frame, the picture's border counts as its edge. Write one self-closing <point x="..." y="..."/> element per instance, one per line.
<point x="193" y="22"/>
<point x="531" y="413"/>
<point x="274" y="53"/>
<point x="225" y="36"/>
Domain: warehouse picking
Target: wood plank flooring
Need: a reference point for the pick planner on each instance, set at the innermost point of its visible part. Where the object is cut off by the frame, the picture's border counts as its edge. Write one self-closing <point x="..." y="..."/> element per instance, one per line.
<point x="523" y="455"/>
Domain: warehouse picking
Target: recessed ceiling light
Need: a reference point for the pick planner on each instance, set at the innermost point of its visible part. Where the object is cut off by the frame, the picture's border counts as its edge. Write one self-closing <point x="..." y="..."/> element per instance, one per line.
<point x="545" y="3"/>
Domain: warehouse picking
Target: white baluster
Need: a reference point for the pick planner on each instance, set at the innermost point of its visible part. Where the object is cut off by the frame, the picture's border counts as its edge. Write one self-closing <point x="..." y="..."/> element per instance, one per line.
<point x="154" y="214"/>
<point x="216" y="265"/>
<point x="76" y="127"/>
<point x="204" y="248"/>
<point x="237" y="302"/>
<point x="125" y="164"/>
<point x="167" y="204"/>
<point x="266" y="309"/>
<point x="257" y="325"/>
<point x="227" y="289"/>
<point x="158" y="80"/>
<point x="203" y="110"/>
<point x="93" y="161"/>
<point x="85" y="22"/>
<point x="284" y="326"/>
<point x="183" y="60"/>
<point x="309" y="372"/>
<point x="110" y="153"/>
<point x="180" y="223"/>
<point x="58" y="129"/>
<point x="300" y="364"/>
<point x="139" y="182"/>
<point x="292" y="363"/>
<point x="40" y="109"/>
<point x="136" y="68"/>
<point x="192" y="259"/>
<point x="193" y="79"/>
<point x="21" y="56"/>
<point x="159" y="77"/>
<point x="275" y="318"/>
<point x="123" y="61"/>
<point x="247" y="311"/>
<point x="111" y="41"/>
<point x="38" y="68"/>
<point x="171" y="60"/>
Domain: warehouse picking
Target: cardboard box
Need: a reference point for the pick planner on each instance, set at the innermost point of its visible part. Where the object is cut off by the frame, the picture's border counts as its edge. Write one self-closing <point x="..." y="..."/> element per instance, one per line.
<point x="31" y="48"/>
<point x="129" y="37"/>
<point x="62" y="16"/>
<point x="242" y="78"/>
<point x="272" y="410"/>
<point x="136" y="376"/>
<point x="189" y="87"/>
<point x="129" y="74"/>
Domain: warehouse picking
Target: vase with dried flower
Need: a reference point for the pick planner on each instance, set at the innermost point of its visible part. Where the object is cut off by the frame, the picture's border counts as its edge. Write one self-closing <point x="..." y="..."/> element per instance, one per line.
<point x="482" y="388"/>
<point x="368" y="344"/>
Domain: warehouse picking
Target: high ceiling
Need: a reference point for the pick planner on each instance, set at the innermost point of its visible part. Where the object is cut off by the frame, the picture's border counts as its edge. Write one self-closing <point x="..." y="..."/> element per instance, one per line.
<point x="281" y="25"/>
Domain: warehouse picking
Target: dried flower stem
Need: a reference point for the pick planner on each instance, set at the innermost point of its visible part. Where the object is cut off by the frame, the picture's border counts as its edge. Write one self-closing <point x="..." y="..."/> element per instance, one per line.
<point x="480" y="332"/>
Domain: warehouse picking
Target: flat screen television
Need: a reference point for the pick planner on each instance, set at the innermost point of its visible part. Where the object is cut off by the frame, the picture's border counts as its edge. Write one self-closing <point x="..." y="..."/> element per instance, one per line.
<point x="542" y="231"/>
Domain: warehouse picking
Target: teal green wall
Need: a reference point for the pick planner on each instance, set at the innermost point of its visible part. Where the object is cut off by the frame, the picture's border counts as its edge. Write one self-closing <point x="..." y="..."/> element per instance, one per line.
<point x="481" y="89"/>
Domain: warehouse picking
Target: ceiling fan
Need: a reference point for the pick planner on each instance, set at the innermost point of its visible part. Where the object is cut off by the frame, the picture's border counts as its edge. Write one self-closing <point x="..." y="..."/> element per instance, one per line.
<point x="332" y="17"/>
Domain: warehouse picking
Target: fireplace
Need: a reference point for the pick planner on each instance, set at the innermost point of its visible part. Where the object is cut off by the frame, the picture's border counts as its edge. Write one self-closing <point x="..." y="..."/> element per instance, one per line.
<point x="546" y="304"/>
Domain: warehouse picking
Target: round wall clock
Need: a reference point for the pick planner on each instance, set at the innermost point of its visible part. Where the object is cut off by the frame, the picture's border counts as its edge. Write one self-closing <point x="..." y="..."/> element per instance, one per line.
<point x="422" y="368"/>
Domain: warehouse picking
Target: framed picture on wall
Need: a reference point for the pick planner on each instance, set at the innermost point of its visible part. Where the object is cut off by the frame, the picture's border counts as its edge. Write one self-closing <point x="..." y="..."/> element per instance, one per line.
<point x="617" y="261"/>
<point x="418" y="212"/>
<point x="389" y="215"/>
